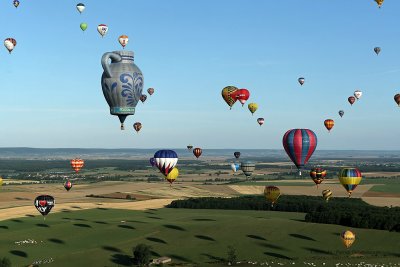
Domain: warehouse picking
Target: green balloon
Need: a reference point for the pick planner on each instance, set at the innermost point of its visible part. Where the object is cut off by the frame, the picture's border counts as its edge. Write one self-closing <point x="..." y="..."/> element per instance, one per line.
<point x="83" y="26"/>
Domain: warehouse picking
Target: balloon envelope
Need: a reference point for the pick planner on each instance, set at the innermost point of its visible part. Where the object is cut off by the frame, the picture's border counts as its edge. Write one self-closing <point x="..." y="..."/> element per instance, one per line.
<point x="397" y="99"/>
<point x="10" y="44"/>
<point x="379" y="2"/>
<point x="329" y="123"/>
<point x="327" y="194"/>
<point x="341" y="113"/>
<point x="357" y="94"/>
<point x="166" y="160"/>
<point x="351" y="100"/>
<point x="197" y="152"/>
<point x="16" y="3"/>
<point x="102" y="29"/>
<point x="137" y="126"/>
<point x="44" y="204"/>
<point x="253" y="107"/>
<point x="68" y="185"/>
<point x="242" y="95"/>
<point x="83" y="26"/>
<point x="80" y="7"/>
<point x="248" y="167"/>
<point x="317" y="175"/>
<point x="377" y="50"/>
<point x="152" y="162"/>
<point x="123" y="40"/>
<point x="348" y="238"/>
<point x="171" y="177"/>
<point x="189" y="147"/>
<point x="228" y="94"/>
<point x="150" y="91"/>
<point x="237" y="154"/>
<point x="272" y="194"/>
<point x="301" y="80"/>
<point x="235" y="167"/>
<point x="77" y="164"/>
<point x="350" y="178"/>
<point x="260" y="121"/>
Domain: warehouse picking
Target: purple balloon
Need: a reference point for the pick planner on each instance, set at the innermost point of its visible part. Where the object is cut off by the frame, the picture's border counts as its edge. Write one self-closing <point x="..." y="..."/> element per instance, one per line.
<point x="152" y="162"/>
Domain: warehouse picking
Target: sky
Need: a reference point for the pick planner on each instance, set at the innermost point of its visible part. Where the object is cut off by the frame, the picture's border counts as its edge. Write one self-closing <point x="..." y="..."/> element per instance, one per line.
<point x="51" y="95"/>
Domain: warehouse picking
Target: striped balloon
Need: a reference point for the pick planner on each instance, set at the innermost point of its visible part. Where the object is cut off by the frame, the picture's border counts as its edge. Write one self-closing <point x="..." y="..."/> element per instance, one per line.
<point x="77" y="164"/>
<point x="350" y="178"/>
<point x="248" y="167"/>
<point x="329" y="123"/>
<point x="299" y="145"/>
<point x="165" y="160"/>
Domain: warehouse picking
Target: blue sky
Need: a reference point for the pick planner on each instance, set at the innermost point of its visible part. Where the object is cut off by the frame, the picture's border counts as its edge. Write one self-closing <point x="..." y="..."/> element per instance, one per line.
<point x="188" y="51"/>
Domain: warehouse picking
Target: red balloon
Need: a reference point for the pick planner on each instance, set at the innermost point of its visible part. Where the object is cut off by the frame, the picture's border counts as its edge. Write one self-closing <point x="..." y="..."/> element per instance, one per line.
<point x="351" y="100"/>
<point x="242" y="95"/>
<point x="77" y="164"/>
<point x="197" y="152"/>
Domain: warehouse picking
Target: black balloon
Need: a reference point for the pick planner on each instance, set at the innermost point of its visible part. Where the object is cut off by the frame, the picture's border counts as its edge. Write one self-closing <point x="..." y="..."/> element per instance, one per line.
<point x="44" y="204"/>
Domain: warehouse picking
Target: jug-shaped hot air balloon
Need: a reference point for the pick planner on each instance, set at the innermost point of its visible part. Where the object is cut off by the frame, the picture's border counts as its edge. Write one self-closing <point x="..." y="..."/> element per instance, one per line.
<point x="253" y="107"/>
<point x="166" y="160"/>
<point x="272" y="194"/>
<point x="171" y="177"/>
<point x="350" y="178"/>
<point x="379" y="2"/>
<point x="299" y="145"/>
<point x="235" y="167"/>
<point x="248" y="167"/>
<point x="16" y="3"/>
<point x="348" y="238"/>
<point x="197" y="152"/>
<point x="80" y="7"/>
<point x="190" y="147"/>
<point x="326" y="194"/>
<point x="83" y="26"/>
<point x="150" y="91"/>
<point x="397" y="99"/>
<point x="229" y="95"/>
<point x="137" y="126"/>
<point x="44" y="204"/>
<point x="377" y="50"/>
<point x="68" y="185"/>
<point x="10" y="44"/>
<point x="351" y="100"/>
<point x="317" y="175"/>
<point x="123" y="40"/>
<point x="77" y="164"/>
<point x="143" y="98"/>
<point x="236" y="154"/>
<point x="242" y="95"/>
<point x="152" y="162"/>
<point x="357" y="94"/>
<point x="329" y="123"/>
<point x="260" y="121"/>
<point x="301" y="80"/>
<point x="122" y="83"/>
<point x="341" y="113"/>
<point x="102" y="29"/>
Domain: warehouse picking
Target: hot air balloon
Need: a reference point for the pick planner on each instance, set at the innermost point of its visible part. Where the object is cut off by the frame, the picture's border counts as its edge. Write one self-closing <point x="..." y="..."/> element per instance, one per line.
<point x="229" y="95"/>
<point x="318" y="175"/>
<point x="166" y="160"/>
<point x="123" y="40"/>
<point x="253" y="107"/>
<point x="357" y="94"/>
<point x="68" y="185"/>
<point x="102" y="29"/>
<point x="237" y="154"/>
<point x="80" y="7"/>
<point x="16" y="3"/>
<point x="150" y="91"/>
<point x="301" y="80"/>
<point x="248" y="168"/>
<point x="189" y="147"/>
<point x="197" y="152"/>
<point x="351" y="100"/>
<point x="348" y="238"/>
<point x="341" y="113"/>
<point x="235" y="167"/>
<point x="152" y="162"/>
<point x="350" y="178"/>
<point x="260" y="121"/>
<point x="83" y="26"/>
<point x="299" y="145"/>
<point x="10" y="44"/>
<point x="329" y="124"/>
<point x="272" y="194"/>
<point x="1" y="181"/>
<point x="77" y="164"/>
<point x="242" y="95"/>
<point x="44" y="204"/>
<point x="137" y="126"/>
<point x="326" y="194"/>
<point x="171" y="177"/>
<point x="143" y="98"/>
<point x="122" y="83"/>
<point x="379" y="2"/>
<point x="377" y="50"/>
<point x="397" y="99"/>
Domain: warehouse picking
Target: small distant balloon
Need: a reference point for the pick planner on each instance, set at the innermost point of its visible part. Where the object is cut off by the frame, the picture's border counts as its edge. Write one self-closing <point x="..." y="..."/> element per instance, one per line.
<point x="351" y="100"/>
<point x="80" y="7"/>
<point x="16" y="3"/>
<point x="143" y="98"/>
<point x="83" y="26"/>
<point x="235" y="167"/>
<point x="326" y="194"/>
<point x="197" y="152"/>
<point x="248" y="167"/>
<point x="317" y="175"/>
<point x="10" y="44"/>
<point x="341" y="113"/>
<point x="329" y="123"/>
<point x="137" y="126"/>
<point x="150" y="91"/>
<point x="272" y="194"/>
<point x="301" y="80"/>
<point x="152" y="162"/>
<point x="379" y="2"/>
<point x="397" y="99"/>
<point x="123" y="40"/>
<point x="260" y="121"/>
<point x="237" y="154"/>
<point x="253" y="107"/>
<point x="189" y="147"/>
<point x="77" y="164"/>
<point x="102" y="29"/>
<point x="68" y="185"/>
<point x="357" y="94"/>
<point x="242" y="95"/>
<point x="348" y="238"/>
<point x="377" y="50"/>
<point x="1" y="181"/>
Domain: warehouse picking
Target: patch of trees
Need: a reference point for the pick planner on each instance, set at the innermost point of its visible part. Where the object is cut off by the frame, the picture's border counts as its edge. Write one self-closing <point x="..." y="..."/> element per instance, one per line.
<point x="351" y="212"/>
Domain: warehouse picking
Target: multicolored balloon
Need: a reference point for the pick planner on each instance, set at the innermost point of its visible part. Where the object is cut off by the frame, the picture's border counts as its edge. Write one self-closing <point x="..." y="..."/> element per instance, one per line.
<point x="77" y="164"/>
<point x="83" y="26"/>
<point x="152" y="162"/>
<point x="329" y="123"/>
<point x="272" y="193"/>
<point x="150" y="91"/>
<point x="301" y="80"/>
<point x="171" y="177"/>
<point x="299" y="145"/>
<point x="102" y="29"/>
<point x="253" y="107"/>
<point x="243" y="95"/>
<point x="68" y="185"/>
<point x="326" y="194"/>
<point x="348" y="238"/>
<point x="197" y="152"/>
<point x="229" y="95"/>
<point x="237" y="154"/>
<point x="351" y="100"/>
<point x="341" y="113"/>
<point x="80" y="7"/>
<point x="143" y="98"/>
<point x="137" y="126"/>
<point x="248" y="167"/>
<point x="260" y="121"/>
<point x="235" y="167"/>
<point x="166" y="160"/>
<point x="317" y="175"/>
<point x="16" y="3"/>
<point x="44" y="204"/>
<point x="10" y="44"/>
<point x="350" y="178"/>
<point x="377" y="50"/>
<point x="357" y="94"/>
<point x="397" y="99"/>
<point x="123" y="40"/>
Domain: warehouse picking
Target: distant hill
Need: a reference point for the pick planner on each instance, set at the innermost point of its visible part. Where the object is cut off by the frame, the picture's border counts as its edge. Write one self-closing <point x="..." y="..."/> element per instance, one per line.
<point x="101" y="153"/>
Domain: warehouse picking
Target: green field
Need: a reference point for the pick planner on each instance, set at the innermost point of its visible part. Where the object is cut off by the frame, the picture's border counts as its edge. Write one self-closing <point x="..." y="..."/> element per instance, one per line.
<point x="275" y="183"/>
<point x="385" y="185"/>
<point x="99" y="238"/>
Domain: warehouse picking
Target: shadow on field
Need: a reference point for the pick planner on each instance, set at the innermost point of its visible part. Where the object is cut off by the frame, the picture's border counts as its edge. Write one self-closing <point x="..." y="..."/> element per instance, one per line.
<point x="276" y="255"/>
<point x="135" y="221"/>
<point x="66" y="218"/>
<point x="79" y="219"/>
<point x="319" y="251"/>
<point x="19" y="253"/>
<point x="214" y="258"/>
<point x="153" y="217"/>
<point x="112" y="249"/>
<point x="394" y="254"/>
<point x="120" y="259"/>
<point x="16" y="220"/>
<point x="3" y="227"/>
<point x="336" y="234"/>
<point x="100" y="222"/>
<point x="179" y="258"/>
<point x="155" y="254"/>
<point x="82" y="225"/>
<point x="204" y="237"/>
<point x="256" y="237"/>
<point x="55" y="240"/>
<point x="126" y="226"/>
<point x="302" y="237"/>
<point x="204" y="220"/>
<point x="175" y="227"/>
<point x="22" y="198"/>
<point x="158" y="240"/>
<point x="149" y="212"/>
<point x="298" y="220"/>
<point x="29" y="215"/>
<point x="76" y="207"/>
<point x="153" y="209"/>
<point x="271" y="246"/>
<point x="42" y="225"/>
<point x="102" y="208"/>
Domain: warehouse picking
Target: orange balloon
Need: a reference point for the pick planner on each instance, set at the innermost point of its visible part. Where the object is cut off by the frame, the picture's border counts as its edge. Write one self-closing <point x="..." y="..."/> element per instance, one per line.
<point x="77" y="164"/>
<point x="329" y="124"/>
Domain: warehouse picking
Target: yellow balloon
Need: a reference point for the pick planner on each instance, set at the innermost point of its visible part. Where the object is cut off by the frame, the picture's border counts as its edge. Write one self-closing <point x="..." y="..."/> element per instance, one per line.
<point x="1" y="181"/>
<point x="348" y="238"/>
<point x="253" y="107"/>
<point x="171" y="177"/>
<point x="272" y="194"/>
<point x="379" y="2"/>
